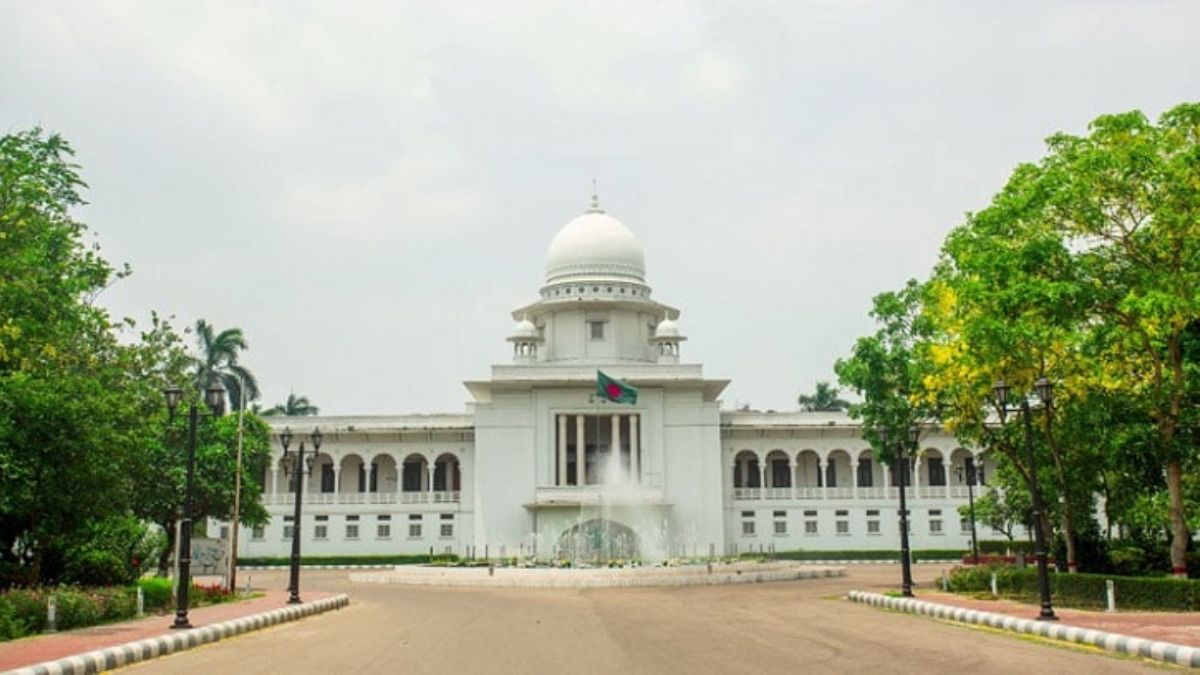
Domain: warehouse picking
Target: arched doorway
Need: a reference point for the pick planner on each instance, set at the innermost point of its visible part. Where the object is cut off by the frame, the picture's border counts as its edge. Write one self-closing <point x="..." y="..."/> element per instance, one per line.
<point x="599" y="541"/>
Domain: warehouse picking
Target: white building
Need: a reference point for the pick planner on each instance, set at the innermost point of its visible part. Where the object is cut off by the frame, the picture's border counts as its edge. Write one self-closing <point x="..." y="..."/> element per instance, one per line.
<point x="672" y="475"/>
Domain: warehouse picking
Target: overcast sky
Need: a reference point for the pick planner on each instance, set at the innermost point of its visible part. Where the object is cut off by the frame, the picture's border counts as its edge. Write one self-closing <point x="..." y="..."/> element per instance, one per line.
<point x="368" y="189"/>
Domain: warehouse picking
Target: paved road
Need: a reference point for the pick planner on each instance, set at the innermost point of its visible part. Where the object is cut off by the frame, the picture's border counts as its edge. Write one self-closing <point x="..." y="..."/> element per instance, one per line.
<point x="763" y="628"/>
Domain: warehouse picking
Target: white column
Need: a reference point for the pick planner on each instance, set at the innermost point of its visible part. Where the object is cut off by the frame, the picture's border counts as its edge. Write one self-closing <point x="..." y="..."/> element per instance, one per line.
<point x="854" y="478"/>
<point x="792" y="473"/>
<point x="429" y="466"/>
<point x="744" y="468"/>
<point x="635" y="464"/>
<point x="916" y="475"/>
<point x="580" y="451"/>
<point x="561" y="473"/>
<point x="275" y="478"/>
<point x="762" y="475"/>
<point x="368" y="469"/>
<point x="615" y="449"/>
<point x="337" y="479"/>
<point x="821" y="477"/>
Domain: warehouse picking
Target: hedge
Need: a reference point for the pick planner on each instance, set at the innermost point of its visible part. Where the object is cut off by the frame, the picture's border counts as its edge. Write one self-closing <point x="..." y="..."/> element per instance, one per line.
<point x="873" y="554"/>
<point x="1082" y="591"/>
<point x="416" y="559"/>
<point x="23" y="611"/>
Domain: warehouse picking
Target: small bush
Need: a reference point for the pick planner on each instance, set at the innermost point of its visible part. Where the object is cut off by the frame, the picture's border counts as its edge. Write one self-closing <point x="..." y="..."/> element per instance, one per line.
<point x="156" y="592"/>
<point x="1002" y="547"/>
<point x="22" y="612"/>
<point x="99" y="568"/>
<point x="881" y="555"/>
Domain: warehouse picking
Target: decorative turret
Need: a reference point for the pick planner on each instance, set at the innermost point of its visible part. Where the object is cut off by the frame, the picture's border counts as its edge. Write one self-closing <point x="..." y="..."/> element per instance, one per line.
<point x="525" y="339"/>
<point x="667" y="337"/>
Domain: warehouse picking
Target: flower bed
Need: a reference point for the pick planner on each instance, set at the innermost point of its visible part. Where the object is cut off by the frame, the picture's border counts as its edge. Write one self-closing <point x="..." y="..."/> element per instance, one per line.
<point x="24" y="611"/>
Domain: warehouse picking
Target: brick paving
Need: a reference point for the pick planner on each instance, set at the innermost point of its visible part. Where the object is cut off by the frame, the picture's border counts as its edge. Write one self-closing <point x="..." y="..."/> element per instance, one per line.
<point x="1181" y="628"/>
<point x="48" y="647"/>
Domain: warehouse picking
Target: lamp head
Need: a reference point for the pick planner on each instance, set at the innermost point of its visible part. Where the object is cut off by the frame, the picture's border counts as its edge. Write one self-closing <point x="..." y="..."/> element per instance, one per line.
<point x="285" y="438"/>
<point x="316" y="437"/>
<point x="173" y="395"/>
<point x="914" y="434"/>
<point x="1045" y="389"/>
<point x="1000" y="392"/>
<point x="214" y="396"/>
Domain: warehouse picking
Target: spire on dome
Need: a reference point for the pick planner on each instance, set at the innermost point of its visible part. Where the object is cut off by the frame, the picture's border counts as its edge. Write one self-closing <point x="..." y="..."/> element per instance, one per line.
<point x="595" y="207"/>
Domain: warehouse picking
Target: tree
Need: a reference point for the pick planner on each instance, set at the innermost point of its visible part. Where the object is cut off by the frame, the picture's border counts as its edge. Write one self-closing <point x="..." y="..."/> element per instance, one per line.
<point x="77" y="405"/>
<point x="884" y="371"/>
<point x="295" y="406"/>
<point x="216" y="361"/>
<point x="1128" y="200"/>
<point x="823" y="399"/>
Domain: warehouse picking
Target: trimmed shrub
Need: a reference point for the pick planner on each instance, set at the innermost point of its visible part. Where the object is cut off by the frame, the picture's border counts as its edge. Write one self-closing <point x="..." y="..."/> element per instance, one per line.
<point x="99" y="568"/>
<point x="1001" y="547"/>
<point x="156" y="592"/>
<point x="954" y="554"/>
<point x="415" y="559"/>
<point x="1083" y="591"/>
<point x="22" y="612"/>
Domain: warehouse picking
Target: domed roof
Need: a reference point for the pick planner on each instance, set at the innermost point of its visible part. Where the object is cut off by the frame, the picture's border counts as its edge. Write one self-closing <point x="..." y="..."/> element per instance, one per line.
<point x="524" y="330"/>
<point x="595" y="246"/>
<point x="666" y="329"/>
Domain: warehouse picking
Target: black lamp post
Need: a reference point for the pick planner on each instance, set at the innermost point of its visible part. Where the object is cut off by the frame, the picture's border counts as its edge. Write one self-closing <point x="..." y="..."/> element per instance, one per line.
<point x="1045" y="392"/>
<point x="967" y="472"/>
<point x="298" y="470"/>
<point x="905" y="553"/>
<point x="214" y="397"/>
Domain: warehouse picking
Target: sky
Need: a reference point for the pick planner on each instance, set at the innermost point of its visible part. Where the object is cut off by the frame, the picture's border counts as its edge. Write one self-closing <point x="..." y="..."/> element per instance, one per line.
<point x="368" y="189"/>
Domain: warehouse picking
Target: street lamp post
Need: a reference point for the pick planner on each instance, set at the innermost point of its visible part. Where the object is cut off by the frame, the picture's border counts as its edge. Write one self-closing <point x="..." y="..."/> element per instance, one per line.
<point x="967" y="472"/>
<point x="214" y="397"/>
<point x="298" y="471"/>
<point x="1045" y="392"/>
<point x="905" y="553"/>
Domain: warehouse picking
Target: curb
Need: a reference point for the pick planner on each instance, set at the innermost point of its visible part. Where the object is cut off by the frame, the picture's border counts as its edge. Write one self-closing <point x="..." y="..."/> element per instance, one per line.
<point x="149" y="648"/>
<point x="574" y="581"/>
<point x="1167" y="652"/>
<point x="872" y="562"/>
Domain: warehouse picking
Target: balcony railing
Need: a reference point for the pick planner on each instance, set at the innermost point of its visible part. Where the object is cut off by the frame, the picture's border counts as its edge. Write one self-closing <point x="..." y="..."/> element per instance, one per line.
<point x="436" y="497"/>
<point x="872" y="492"/>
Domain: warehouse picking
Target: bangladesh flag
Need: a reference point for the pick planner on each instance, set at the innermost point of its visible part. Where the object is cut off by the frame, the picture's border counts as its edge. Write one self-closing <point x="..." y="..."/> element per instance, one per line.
<point x="614" y="390"/>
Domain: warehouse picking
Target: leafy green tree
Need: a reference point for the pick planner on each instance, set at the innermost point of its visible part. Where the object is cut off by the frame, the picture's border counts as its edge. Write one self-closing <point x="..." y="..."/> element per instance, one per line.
<point x="216" y="361"/>
<point x="77" y="405"/>
<point x="295" y="406"/>
<point x="1127" y="196"/>
<point x="823" y="399"/>
<point x="884" y="371"/>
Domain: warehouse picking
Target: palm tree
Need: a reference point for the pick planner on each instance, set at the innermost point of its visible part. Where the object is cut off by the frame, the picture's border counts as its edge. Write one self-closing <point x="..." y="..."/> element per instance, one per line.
<point x="296" y="406"/>
<point x="217" y="361"/>
<point x="824" y="399"/>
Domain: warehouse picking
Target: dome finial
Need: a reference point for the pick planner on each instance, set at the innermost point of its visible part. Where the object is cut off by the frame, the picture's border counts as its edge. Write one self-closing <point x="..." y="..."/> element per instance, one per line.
<point x="595" y="207"/>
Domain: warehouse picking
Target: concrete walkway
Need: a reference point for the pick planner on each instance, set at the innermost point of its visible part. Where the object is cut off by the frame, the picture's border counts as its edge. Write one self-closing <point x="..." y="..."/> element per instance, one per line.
<point x="1178" y="627"/>
<point x="53" y="646"/>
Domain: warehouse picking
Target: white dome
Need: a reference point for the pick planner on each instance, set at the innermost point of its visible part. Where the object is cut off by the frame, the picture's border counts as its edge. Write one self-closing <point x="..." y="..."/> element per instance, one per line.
<point x="524" y="330"/>
<point x="595" y="246"/>
<point x="666" y="329"/>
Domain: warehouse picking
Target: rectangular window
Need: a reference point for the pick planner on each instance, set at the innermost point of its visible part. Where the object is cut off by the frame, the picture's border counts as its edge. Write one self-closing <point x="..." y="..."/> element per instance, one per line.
<point x="935" y="526"/>
<point x="843" y="527"/>
<point x="964" y="525"/>
<point x="810" y="527"/>
<point x="747" y="514"/>
<point x="447" y="530"/>
<point x="748" y="528"/>
<point x="781" y="527"/>
<point x="351" y="519"/>
<point x="841" y="513"/>
<point x="937" y="472"/>
<point x="352" y="530"/>
<point x="872" y="527"/>
<point x="383" y="530"/>
<point x="414" y="516"/>
<point x="224" y="531"/>
<point x="596" y="330"/>
<point x="327" y="478"/>
<point x="872" y="513"/>
<point x="289" y="527"/>
<point x="258" y="532"/>
<point x="780" y="514"/>
<point x="414" y="530"/>
<point x="447" y="516"/>
<point x="321" y="532"/>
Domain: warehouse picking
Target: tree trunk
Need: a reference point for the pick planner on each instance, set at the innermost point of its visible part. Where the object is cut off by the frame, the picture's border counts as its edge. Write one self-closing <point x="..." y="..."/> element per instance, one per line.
<point x="1068" y="526"/>
<point x="1180" y="534"/>
<point x="164" y="558"/>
